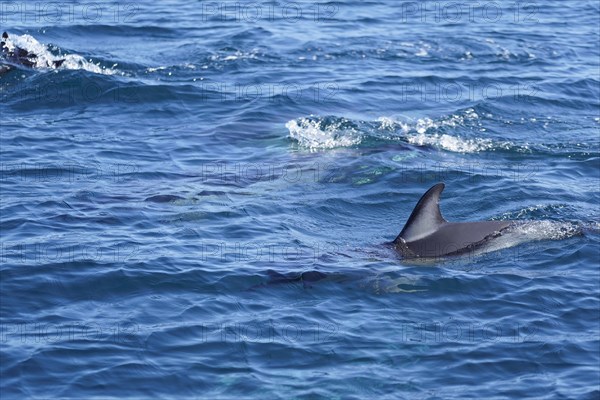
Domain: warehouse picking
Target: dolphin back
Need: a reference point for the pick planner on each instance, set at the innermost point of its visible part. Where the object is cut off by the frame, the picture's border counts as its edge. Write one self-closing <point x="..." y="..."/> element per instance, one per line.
<point x="428" y="234"/>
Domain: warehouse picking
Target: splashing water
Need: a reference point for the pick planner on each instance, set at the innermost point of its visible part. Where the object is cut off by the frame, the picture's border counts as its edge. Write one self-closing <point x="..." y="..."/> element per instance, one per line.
<point x="45" y="58"/>
<point x="323" y="133"/>
<point x="330" y="132"/>
<point x="533" y="231"/>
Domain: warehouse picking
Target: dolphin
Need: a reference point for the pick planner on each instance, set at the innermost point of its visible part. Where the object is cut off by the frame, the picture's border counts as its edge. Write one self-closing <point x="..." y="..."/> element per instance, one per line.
<point x="428" y="234"/>
<point x="19" y="57"/>
<point x="305" y="277"/>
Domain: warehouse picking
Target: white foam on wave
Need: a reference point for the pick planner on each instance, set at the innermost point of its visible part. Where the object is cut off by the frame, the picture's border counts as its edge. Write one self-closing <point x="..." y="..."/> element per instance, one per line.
<point x="237" y="55"/>
<point x="452" y="143"/>
<point x="45" y="58"/>
<point x="424" y="133"/>
<point x="314" y="134"/>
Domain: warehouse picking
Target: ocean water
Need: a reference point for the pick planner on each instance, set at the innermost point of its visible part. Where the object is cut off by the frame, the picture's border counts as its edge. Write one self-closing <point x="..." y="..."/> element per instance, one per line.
<point x="199" y="202"/>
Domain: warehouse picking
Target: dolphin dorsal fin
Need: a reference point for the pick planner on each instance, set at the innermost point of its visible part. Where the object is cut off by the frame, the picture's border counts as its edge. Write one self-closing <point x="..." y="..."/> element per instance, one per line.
<point x="426" y="218"/>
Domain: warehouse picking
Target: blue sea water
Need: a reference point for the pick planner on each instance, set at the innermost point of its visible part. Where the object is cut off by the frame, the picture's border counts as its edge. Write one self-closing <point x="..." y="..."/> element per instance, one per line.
<point x="198" y="202"/>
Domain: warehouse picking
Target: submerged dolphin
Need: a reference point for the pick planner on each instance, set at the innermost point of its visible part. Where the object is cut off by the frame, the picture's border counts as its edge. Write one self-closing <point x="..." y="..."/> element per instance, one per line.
<point x="428" y="234"/>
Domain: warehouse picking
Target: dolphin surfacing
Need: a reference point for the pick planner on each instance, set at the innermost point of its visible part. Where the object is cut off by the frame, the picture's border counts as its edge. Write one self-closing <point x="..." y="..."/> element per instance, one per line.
<point x="17" y="56"/>
<point x="428" y="234"/>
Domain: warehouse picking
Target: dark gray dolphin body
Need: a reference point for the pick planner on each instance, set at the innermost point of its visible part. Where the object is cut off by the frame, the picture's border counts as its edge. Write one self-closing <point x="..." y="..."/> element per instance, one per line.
<point x="428" y="234"/>
<point x="306" y="278"/>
